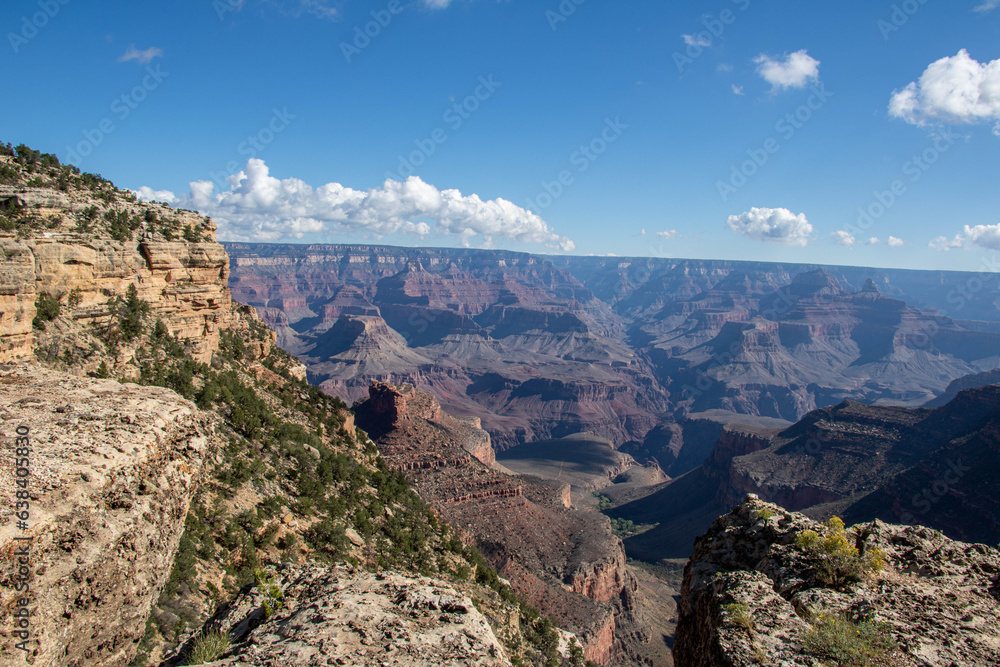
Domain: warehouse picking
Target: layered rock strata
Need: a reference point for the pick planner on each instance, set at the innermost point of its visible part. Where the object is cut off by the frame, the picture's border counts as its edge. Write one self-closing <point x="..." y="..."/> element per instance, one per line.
<point x="565" y="562"/>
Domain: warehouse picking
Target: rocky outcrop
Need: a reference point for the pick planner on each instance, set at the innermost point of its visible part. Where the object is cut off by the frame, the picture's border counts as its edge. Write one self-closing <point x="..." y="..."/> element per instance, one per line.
<point x="112" y="471"/>
<point x="336" y="616"/>
<point x="752" y="592"/>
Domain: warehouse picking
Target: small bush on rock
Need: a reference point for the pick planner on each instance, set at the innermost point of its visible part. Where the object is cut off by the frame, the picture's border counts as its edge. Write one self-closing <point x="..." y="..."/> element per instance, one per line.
<point x="840" y="562"/>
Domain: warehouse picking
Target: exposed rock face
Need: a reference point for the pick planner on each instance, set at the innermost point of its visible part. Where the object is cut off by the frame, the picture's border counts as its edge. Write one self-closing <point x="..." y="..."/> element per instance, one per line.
<point x="565" y="562"/>
<point x="936" y="598"/>
<point x="17" y="301"/>
<point x="184" y="282"/>
<point x="113" y="468"/>
<point x="337" y="617"/>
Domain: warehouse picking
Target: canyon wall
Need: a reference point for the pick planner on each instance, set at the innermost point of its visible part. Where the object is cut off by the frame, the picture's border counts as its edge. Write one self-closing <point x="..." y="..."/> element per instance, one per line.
<point x="565" y="562"/>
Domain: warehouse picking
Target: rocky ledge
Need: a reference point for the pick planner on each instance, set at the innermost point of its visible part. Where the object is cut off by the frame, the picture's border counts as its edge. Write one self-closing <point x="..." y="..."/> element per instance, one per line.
<point x="112" y="468"/>
<point x="755" y="592"/>
<point x="336" y="616"/>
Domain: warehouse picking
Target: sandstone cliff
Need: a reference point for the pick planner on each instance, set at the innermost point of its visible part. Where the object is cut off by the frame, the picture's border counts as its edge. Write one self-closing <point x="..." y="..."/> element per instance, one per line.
<point x="754" y="593"/>
<point x="113" y="468"/>
<point x="78" y="263"/>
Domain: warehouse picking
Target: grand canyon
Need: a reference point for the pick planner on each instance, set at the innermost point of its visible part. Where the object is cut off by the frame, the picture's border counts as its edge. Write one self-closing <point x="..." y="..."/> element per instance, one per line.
<point x="444" y="333"/>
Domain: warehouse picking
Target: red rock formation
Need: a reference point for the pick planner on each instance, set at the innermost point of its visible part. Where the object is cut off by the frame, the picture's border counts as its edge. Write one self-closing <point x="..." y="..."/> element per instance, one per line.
<point x="566" y="562"/>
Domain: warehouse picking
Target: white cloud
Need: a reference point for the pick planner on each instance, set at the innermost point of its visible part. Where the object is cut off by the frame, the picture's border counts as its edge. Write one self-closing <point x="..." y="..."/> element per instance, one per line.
<point x="318" y="8"/>
<point x="987" y="6"/>
<point x="737" y="90"/>
<point x="437" y="4"/>
<point x="702" y="40"/>
<point x="894" y="242"/>
<point x="874" y="240"/>
<point x="143" y="57"/>
<point x="792" y="71"/>
<point x="667" y="234"/>
<point x="776" y="225"/>
<point x="259" y="207"/>
<point x="840" y="237"/>
<point x="147" y="193"/>
<point x="956" y="89"/>
<point x="984" y="236"/>
<point x="723" y="67"/>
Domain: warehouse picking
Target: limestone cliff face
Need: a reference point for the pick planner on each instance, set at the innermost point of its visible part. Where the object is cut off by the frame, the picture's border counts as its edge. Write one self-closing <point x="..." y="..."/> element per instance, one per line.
<point x="112" y="470"/>
<point x="184" y="284"/>
<point x="17" y="300"/>
<point x="184" y="281"/>
<point x="751" y="593"/>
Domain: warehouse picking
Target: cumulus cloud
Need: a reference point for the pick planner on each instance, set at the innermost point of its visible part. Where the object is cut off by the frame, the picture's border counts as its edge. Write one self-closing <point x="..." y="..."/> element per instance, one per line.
<point x="987" y="6"/>
<point x="147" y="193"/>
<point x="667" y="234"/>
<point x="776" y="225"/>
<point x="737" y="90"/>
<point x="955" y="89"/>
<point x="794" y="70"/>
<point x="894" y="242"/>
<point x="873" y="241"/>
<point x="260" y="207"/>
<point x="843" y="238"/>
<point x="143" y="56"/>
<point x="984" y="236"/>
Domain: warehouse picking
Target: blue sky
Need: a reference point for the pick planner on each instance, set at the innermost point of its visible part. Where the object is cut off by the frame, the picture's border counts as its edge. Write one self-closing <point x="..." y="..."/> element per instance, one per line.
<point x="648" y="130"/>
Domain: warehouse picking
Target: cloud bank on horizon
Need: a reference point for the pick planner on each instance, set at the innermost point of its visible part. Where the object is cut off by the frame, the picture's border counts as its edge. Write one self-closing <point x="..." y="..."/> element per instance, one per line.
<point x="259" y="207"/>
<point x="984" y="236"/>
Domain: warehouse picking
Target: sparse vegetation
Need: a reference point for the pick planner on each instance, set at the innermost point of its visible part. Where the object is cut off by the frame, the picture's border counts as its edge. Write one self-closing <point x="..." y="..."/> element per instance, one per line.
<point x="850" y="644"/>
<point x="764" y="513"/>
<point x="270" y="590"/>
<point x="603" y="502"/>
<point x="209" y="647"/>
<point x="739" y="614"/>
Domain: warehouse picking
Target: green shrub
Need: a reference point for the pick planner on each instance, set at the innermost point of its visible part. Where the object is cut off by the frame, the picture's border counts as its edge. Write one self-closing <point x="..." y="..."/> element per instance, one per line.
<point x="850" y="644"/>
<point x="270" y="590"/>
<point x="209" y="647"/>
<point x="840" y="562"/>
<point x="46" y="310"/>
